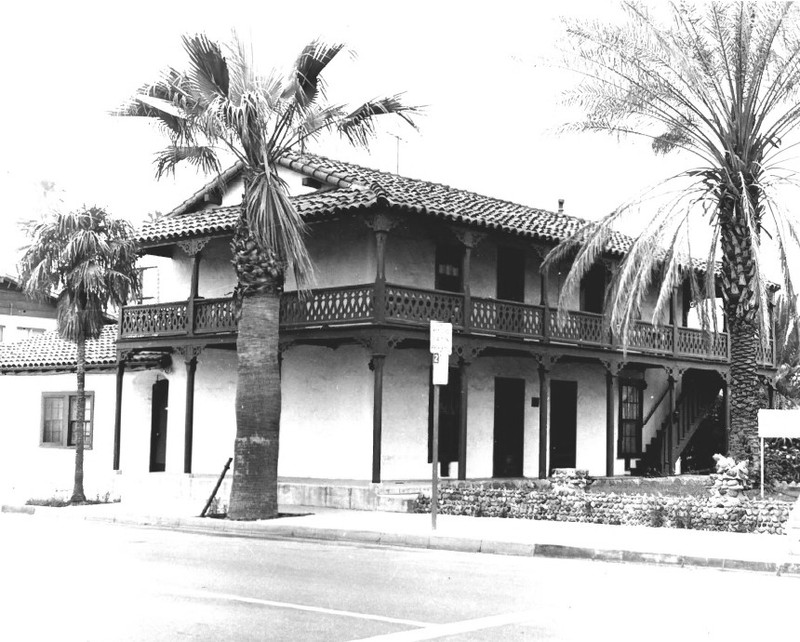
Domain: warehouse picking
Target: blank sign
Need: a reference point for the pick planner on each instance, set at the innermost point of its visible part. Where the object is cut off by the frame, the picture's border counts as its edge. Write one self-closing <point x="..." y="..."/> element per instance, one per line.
<point x="779" y="423"/>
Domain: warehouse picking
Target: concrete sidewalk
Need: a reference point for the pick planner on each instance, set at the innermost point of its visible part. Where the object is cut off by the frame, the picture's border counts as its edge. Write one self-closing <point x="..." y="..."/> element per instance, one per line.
<point x="764" y="553"/>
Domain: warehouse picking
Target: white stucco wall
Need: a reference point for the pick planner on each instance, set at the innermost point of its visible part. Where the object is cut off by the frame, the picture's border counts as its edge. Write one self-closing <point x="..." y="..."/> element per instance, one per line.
<point x="326" y="413"/>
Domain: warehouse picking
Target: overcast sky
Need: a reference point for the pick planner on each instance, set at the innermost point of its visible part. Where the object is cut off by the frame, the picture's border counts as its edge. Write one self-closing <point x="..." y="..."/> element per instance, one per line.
<point x="492" y="100"/>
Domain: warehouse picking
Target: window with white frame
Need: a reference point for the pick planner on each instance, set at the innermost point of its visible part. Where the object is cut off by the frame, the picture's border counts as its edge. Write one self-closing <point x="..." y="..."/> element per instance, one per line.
<point x="60" y="419"/>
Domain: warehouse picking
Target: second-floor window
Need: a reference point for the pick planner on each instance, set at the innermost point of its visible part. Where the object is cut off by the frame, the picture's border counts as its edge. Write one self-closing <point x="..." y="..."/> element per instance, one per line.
<point x="448" y="268"/>
<point x="510" y="274"/>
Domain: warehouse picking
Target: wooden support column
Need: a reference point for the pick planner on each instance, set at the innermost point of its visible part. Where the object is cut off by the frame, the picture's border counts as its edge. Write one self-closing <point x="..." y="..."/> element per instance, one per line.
<point x="770" y="395"/>
<point x="670" y="427"/>
<point x="118" y="412"/>
<point x="610" y="423"/>
<point x="376" y="364"/>
<point x="463" y="367"/>
<point x="190" y="354"/>
<point x="544" y="389"/>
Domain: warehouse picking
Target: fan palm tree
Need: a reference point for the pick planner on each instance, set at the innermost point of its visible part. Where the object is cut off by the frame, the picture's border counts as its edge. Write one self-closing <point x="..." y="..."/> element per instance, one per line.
<point x="88" y="260"/>
<point x="222" y="104"/>
<point x="719" y="83"/>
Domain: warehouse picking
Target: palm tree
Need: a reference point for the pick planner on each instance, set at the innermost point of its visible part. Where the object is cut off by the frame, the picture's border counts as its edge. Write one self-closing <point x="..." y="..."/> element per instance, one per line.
<point x="88" y="260"/>
<point x="719" y="83"/>
<point x="222" y="103"/>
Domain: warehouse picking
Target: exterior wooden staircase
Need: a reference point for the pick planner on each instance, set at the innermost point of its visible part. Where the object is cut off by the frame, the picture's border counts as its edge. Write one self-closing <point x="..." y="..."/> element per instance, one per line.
<point x="695" y="403"/>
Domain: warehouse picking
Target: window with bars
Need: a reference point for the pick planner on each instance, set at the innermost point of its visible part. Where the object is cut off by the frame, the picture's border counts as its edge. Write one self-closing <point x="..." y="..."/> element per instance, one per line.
<point x="630" y="417"/>
<point x="60" y="419"/>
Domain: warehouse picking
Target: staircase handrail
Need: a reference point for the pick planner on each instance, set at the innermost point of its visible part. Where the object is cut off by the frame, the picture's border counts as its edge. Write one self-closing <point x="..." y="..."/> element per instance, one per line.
<point x="655" y="407"/>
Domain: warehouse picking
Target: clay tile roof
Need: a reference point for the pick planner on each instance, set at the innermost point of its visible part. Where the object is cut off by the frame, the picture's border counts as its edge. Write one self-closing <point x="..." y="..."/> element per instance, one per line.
<point x="357" y="187"/>
<point x="48" y="351"/>
<point x="222" y="220"/>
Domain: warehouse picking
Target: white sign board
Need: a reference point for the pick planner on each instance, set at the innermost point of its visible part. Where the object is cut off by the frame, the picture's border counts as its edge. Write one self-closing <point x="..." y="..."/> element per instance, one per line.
<point x="779" y="423"/>
<point x="441" y="368"/>
<point x="441" y="337"/>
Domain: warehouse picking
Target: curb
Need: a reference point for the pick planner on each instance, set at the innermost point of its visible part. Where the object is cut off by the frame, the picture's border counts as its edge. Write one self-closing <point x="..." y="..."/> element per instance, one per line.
<point x="433" y="542"/>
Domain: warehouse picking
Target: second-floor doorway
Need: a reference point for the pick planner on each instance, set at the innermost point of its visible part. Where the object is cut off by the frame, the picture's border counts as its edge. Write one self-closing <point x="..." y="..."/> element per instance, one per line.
<point x="510" y="274"/>
<point x="593" y="289"/>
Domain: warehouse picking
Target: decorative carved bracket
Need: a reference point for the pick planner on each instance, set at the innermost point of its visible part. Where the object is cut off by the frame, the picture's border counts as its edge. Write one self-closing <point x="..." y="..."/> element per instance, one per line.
<point x="189" y="352"/>
<point x="540" y="250"/>
<point x="283" y="346"/>
<point x="675" y="372"/>
<point x="193" y="246"/>
<point x="381" y="222"/>
<point x="125" y="356"/>
<point x="614" y="366"/>
<point x="469" y="238"/>
<point x="546" y="360"/>
<point x="467" y="352"/>
<point x="379" y="344"/>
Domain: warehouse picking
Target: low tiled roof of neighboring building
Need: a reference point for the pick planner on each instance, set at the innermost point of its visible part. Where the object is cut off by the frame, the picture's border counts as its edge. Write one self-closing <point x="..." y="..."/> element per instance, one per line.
<point x="48" y="351"/>
<point x="360" y="187"/>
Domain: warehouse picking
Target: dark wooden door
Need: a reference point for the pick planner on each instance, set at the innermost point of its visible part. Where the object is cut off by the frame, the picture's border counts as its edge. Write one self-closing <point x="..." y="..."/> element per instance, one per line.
<point x="509" y="427"/>
<point x="563" y="423"/>
<point x="449" y="421"/>
<point x="158" y="427"/>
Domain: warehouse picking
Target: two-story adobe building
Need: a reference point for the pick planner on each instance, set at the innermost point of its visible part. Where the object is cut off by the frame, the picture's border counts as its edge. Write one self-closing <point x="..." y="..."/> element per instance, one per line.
<point x="526" y="393"/>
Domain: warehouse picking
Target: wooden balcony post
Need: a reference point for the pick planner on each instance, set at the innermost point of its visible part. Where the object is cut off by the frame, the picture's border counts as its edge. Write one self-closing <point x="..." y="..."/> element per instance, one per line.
<point x="726" y="410"/>
<point x="193" y="248"/>
<point x="545" y="303"/>
<point x="610" y="423"/>
<point x="544" y="389"/>
<point x="118" y="411"/>
<point x="379" y="300"/>
<point x="674" y="311"/>
<point x="465" y="271"/>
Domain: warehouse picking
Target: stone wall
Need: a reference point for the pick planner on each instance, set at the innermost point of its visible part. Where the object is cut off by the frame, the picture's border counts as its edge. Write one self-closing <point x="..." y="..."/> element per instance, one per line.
<point x="529" y="502"/>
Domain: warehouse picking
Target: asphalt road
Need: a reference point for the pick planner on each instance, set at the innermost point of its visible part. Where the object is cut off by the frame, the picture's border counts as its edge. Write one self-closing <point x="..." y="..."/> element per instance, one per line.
<point x="70" y="580"/>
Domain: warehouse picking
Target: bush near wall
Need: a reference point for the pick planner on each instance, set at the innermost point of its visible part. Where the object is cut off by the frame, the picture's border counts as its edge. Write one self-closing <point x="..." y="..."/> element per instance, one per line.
<point x="782" y="460"/>
<point x="528" y="502"/>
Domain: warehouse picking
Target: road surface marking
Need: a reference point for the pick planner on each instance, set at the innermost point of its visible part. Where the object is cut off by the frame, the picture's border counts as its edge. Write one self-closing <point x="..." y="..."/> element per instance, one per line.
<point x="434" y="631"/>
<point x="208" y="595"/>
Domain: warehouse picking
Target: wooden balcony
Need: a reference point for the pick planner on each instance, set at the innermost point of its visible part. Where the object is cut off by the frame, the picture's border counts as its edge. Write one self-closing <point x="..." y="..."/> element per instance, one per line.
<point x="414" y="307"/>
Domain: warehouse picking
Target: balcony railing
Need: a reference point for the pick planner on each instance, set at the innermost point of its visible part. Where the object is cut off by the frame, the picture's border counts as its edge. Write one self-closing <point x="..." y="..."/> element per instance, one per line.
<point x="415" y="307"/>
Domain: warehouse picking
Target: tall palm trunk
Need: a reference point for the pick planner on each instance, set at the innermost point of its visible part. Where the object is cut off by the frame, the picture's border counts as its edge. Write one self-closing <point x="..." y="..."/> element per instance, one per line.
<point x="254" y="490"/>
<point x="741" y="306"/>
<point x="254" y="493"/>
<point x="78" y="495"/>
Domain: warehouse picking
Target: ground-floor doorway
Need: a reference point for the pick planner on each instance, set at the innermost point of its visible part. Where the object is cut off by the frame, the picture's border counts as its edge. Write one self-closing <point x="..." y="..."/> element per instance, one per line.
<point x="509" y="427"/>
<point x="563" y="423"/>
<point x="449" y="421"/>
<point x="158" y="427"/>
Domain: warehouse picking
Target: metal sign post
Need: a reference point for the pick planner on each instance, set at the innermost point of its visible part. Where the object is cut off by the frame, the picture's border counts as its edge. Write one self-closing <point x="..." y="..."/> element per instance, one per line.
<point x="441" y="345"/>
